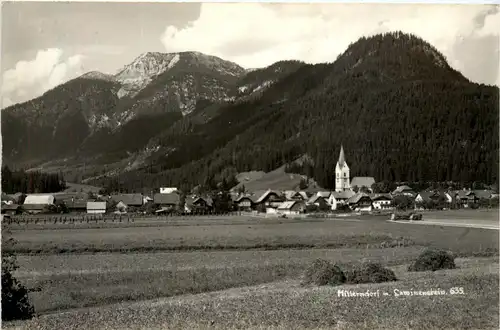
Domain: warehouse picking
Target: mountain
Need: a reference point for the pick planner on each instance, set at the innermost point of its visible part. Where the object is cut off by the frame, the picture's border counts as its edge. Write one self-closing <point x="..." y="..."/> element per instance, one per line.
<point x="184" y="119"/>
<point x="92" y="113"/>
<point x="400" y="111"/>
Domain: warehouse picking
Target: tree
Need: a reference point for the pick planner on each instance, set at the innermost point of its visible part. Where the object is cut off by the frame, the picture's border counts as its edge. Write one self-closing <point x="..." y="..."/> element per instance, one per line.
<point x="355" y="189"/>
<point x="402" y="202"/>
<point x="15" y="301"/>
<point x="303" y="184"/>
<point x="364" y="189"/>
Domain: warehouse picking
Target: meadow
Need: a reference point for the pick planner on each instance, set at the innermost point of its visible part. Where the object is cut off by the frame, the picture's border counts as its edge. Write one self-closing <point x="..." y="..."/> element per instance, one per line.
<point x="108" y="263"/>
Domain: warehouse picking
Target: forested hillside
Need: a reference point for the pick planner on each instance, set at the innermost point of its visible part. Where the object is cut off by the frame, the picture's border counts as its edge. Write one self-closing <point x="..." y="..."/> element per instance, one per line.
<point x="400" y="111"/>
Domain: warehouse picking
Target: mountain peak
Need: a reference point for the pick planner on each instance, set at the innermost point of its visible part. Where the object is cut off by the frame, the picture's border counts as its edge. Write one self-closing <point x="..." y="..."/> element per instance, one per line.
<point x="98" y="75"/>
<point x="395" y="56"/>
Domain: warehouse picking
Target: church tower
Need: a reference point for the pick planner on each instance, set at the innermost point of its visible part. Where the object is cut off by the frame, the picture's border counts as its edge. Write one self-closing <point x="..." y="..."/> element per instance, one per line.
<point x="342" y="179"/>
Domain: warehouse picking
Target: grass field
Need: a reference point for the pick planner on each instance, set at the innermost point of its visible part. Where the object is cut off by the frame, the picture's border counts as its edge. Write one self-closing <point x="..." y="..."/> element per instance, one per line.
<point x="242" y="234"/>
<point x="286" y="305"/>
<point x="104" y="264"/>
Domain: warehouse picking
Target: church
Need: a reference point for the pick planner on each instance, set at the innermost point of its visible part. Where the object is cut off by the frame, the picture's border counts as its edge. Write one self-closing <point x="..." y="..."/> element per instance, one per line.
<point x="342" y="176"/>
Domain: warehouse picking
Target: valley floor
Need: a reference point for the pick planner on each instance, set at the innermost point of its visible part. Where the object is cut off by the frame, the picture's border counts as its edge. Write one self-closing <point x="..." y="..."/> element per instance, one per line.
<point x="287" y="305"/>
<point x="244" y="273"/>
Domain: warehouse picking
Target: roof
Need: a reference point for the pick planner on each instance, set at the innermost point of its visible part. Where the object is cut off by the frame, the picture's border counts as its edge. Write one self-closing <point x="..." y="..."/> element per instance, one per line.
<point x="377" y="197"/>
<point x="10" y="206"/>
<point x="172" y="198"/>
<point x="341" y="161"/>
<point x="315" y="198"/>
<point x="78" y="204"/>
<point x="193" y="199"/>
<point x="356" y="198"/>
<point x="96" y="205"/>
<point x="34" y="207"/>
<point x="286" y="205"/>
<point x="129" y="199"/>
<point x="292" y="193"/>
<point x="362" y="181"/>
<point x="402" y="188"/>
<point x="243" y="196"/>
<point x="343" y="195"/>
<point x="324" y="194"/>
<point x="264" y="195"/>
<point x="43" y="199"/>
<point x="487" y="194"/>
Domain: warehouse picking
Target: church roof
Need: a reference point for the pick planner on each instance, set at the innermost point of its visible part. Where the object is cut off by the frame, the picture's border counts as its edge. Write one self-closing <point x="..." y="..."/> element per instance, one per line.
<point x="341" y="161"/>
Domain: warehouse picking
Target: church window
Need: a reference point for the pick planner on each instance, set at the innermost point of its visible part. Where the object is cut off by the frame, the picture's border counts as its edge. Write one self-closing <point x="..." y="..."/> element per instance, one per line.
<point x="345" y="175"/>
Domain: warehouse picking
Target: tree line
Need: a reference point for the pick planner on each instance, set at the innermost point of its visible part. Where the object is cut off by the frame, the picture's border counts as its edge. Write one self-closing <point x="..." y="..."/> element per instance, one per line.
<point x="32" y="182"/>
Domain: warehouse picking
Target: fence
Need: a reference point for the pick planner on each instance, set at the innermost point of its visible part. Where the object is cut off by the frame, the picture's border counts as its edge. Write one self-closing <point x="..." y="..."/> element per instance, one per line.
<point x="96" y="218"/>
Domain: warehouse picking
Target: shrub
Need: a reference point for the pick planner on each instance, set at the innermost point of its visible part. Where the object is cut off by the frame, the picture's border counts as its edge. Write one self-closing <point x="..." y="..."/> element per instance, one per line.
<point x="323" y="272"/>
<point x="433" y="260"/>
<point x="15" y="301"/>
<point x="370" y="273"/>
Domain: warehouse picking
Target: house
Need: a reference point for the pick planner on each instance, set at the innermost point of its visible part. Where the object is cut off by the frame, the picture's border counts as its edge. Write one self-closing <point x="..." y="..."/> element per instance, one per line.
<point x="146" y="199"/>
<point x="128" y="200"/>
<point x="167" y="201"/>
<point x="465" y="198"/>
<point x="292" y="195"/>
<point x="79" y="206"/>
<point x="36" y="203"/>
<point x="324" y="194"/>
<point x="363" y="181"/>
<point x="319" y="201"/>
<point x="360" y="202"/>
<point x="168" y="190"/>
<point x="425" y="199"/>
<point x="245" y="203"/>
<point x="404" y="190"/>
<point x="268" y="200"/>
<point x="337" y="199"/>
<point x="195" y="204"/>
<point x="382" y="202"/>
<point x="484" y="193"/>
<point x="11" y="209"/>
<point x="96" y="207"/>
<point x="291" y="207"/>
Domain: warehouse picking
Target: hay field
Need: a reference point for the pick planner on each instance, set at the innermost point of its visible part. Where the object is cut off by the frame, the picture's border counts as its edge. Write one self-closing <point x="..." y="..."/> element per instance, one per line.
<point x="286" y="305"/>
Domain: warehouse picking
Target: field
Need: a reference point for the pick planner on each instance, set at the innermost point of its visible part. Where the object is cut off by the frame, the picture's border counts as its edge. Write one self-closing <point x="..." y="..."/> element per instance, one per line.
<point x="68" y="267"/>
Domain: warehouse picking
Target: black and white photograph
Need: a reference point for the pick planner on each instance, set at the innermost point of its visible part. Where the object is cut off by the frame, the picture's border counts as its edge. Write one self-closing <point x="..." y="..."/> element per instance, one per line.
<point x="249" y="165"/>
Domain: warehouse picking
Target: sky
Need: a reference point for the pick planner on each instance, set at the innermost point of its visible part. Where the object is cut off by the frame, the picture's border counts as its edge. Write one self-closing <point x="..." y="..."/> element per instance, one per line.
<point x="45" y="44"/>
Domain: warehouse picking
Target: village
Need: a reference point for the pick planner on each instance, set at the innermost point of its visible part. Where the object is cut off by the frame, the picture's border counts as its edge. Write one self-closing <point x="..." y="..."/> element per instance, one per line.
<point x="350" y="195"/>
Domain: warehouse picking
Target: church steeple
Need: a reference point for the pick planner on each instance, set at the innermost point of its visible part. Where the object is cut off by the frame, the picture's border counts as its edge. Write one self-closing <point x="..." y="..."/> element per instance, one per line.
<point x="341" y="157"/>
<point x="342" y="175"/>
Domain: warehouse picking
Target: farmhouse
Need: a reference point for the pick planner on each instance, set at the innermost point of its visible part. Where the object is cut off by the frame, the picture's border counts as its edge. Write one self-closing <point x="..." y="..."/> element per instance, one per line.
<point x="318" y="201"/>
<point x="382" y="202"/>
<point x="363" y="181"/>
<point x="360" y="202"/>
<point x="196" y="204"/>
<point x="168" y="190"/>
<point x="11" y="209"/>
<point x="36" y="203"/>
<point x="404" y="190"/>
<point x="167" y="201"/>
<point x="337" y="199"/>
<point x="128" y="200"/>
<point x="292" y="195"/>
<point x="76" y="205"/>
<point x="244" y="203"/>
<point x="465" y="198"/>
<point x="291" y="207"/>
<point x="268" y="200"/>
<point x="96" y="207"/>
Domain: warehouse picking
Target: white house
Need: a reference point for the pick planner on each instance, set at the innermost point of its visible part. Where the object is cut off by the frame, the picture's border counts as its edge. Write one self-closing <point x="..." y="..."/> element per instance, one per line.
<point x="96" y="207"/>
<point x="39" y="199"/>
<point x="337" y="199"/>
<point x="167" y="190"/>
<point x="382" y="202"/>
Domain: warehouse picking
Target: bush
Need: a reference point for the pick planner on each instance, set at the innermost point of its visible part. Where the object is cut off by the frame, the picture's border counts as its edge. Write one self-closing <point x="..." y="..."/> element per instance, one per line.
<point x="323" y="272"/>
<point x="432" y="260"/>
<point x="370" y="273"/>
<point x="15" y="301"/>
